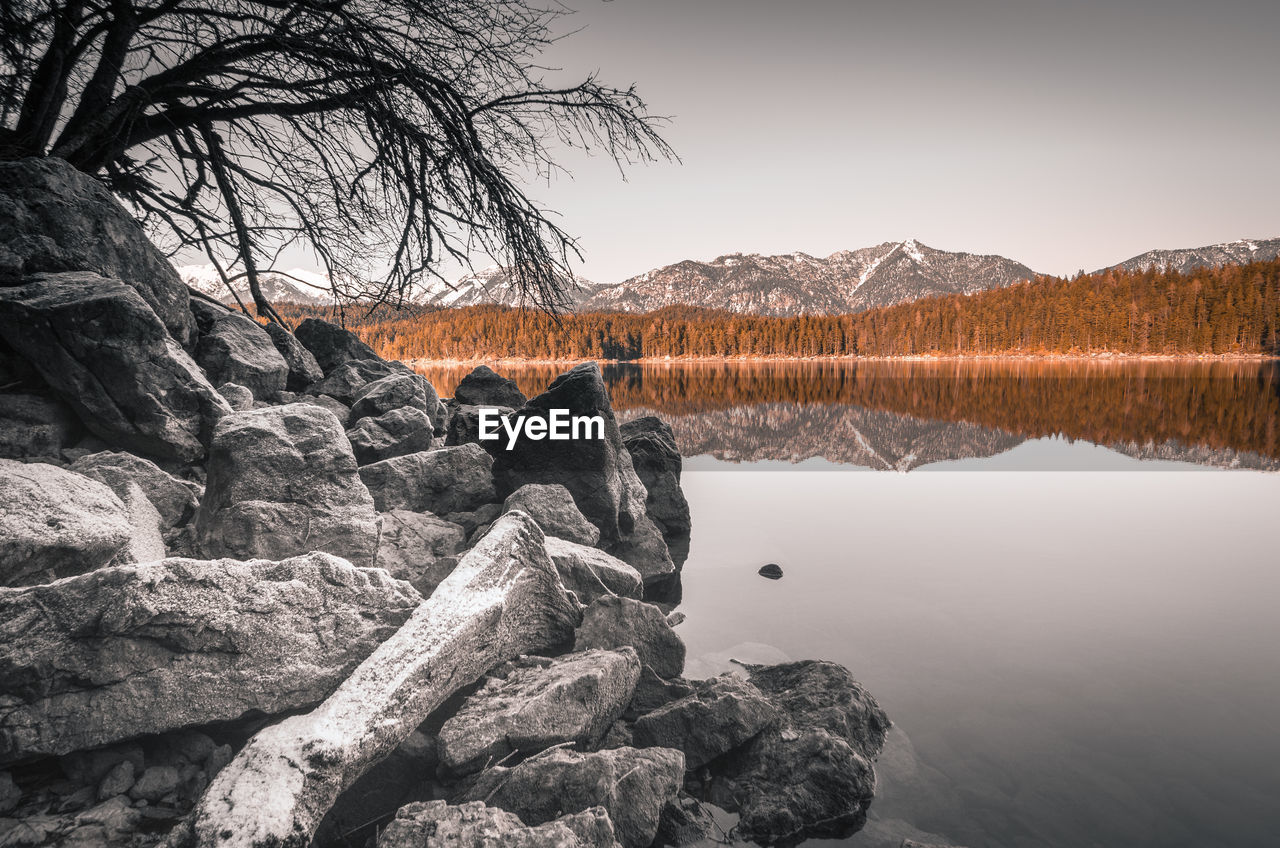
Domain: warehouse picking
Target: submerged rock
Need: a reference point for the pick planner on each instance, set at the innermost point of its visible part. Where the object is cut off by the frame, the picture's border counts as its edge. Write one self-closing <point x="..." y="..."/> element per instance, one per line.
<point x="613" y="622"/>
<point x="596" y="471"/>
<point x="773" y="571"/>
<point x="55" y="523"/>
<point x="484" y="387"/>
<point x="102" y="349"/>
<point x="574" y="699"/>
<point x="809" y="775"/>
<point x="445" y="480"/>
<point x="234" y="349"/>
<point x="553" y="508"/>
<point x="436" y="824"/>
<point x="591" y="573"/>
<point x="55" y="218"/>
<point x="282" y="482"/>
<point x="137" y="649"/>
<point x="632" y="784"/>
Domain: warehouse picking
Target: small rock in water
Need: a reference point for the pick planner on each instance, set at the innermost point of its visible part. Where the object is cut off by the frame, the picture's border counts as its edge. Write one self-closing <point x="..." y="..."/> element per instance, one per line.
<point x="773" y="571"/>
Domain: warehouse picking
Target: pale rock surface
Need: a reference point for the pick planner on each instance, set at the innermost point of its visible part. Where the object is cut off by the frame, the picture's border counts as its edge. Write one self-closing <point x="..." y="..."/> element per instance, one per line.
<point x="419" y="548"/>
<point x="234" y="349"/>
<point x="590" y="572"/>
<point x="175" y="499"/>
<point x="612" y="622"/>
<point x="456" y="479"/>
<point x="437" y="824"/>
<point x="553" y="508"/>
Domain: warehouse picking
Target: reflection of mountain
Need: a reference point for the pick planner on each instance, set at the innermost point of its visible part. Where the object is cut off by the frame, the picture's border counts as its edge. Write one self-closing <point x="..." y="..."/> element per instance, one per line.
<point x="1197" y="455"/>
<point x="852" y="435"/>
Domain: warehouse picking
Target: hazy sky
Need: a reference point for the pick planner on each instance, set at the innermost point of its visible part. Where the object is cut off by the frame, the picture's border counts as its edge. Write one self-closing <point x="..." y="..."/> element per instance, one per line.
<point x="1063" y="134"/>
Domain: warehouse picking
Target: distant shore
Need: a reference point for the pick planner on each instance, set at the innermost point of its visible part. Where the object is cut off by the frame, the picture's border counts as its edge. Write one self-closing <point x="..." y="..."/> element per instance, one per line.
<point x="1002" y="357"/>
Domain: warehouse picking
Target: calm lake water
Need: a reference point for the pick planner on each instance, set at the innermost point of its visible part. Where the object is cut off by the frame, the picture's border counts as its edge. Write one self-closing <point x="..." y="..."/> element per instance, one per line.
<point x="1075" y="650"/>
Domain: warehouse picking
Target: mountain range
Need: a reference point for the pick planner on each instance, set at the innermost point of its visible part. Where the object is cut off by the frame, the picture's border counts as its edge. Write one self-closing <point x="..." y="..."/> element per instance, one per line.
<point x="786" y="284"/>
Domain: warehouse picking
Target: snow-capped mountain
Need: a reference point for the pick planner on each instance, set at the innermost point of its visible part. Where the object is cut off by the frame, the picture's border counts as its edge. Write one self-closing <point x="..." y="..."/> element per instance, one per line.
<point x="1239" y="252"/>
<point x="296" y="286"/>
<point x="795" y="283"/>
<point x="493" y="285"/>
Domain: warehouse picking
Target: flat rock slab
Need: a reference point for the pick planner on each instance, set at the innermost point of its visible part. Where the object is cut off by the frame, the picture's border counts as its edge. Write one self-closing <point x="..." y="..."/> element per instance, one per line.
<point x="132" y="650"/>
<point x="437" y="824"/>
<point x="55" y="523"/>
<point x="574" y="699"/>
<point x="632" y="784"/>
<point x="591" y="573"/>
<point x="102" y="349"/>
<point x="455" y="479"/>
<point x="283" y="481"/>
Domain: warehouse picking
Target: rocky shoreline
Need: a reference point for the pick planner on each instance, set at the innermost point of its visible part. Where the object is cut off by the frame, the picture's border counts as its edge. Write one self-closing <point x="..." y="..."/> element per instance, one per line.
<point x="262" y="588"/>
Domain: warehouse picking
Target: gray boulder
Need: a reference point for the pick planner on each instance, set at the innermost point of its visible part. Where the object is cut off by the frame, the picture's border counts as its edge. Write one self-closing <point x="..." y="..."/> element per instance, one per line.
<point x="303" y="368"/>
<point x="657" y="461"/>
<point x="283" y="481"/>
<point x="573" y="699"/>
<point x="720" y="715"/>
<point x="55" y="523"/>
<point x="553" y="508"/>
<point x="462" y="424"/>
<point x="138" y="649"/>
<point x="596" y="471"/>
<point x="395" y="392"/>
<point x="484" y="387"/>
<point x="54" y="218"/>
<point x="445" y="480"/>
<point x="234" y="349"/>
<point x="174" y="499"/>
<point x="396" y="433"/>
<point x="419" y="548"/>
<point x="437" y="824"/>
<point x="591" y="573"/>
<point x="612" y="622"/>
<point x="632" y="784"/>
<point x="102" y="349"/>
<point x="348" y="379"/>
<point x="237" y="396"/>
<point x="810" y="775"/>
<point x="331" y="345"/>
<point x="35" y="426"/>
<point x="339" y="409"/>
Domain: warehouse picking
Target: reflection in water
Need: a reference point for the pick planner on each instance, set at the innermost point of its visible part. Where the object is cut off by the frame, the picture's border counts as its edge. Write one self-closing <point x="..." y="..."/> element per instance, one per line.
<point x="900" y="415"/>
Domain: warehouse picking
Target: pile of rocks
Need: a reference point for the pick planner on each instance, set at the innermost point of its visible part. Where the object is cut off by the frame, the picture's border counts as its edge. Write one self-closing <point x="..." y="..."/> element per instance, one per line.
<point x="262" y="587"/>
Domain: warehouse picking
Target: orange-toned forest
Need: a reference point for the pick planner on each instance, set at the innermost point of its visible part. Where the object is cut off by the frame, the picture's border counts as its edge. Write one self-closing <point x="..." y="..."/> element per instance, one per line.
<point x="1233" y="309"/>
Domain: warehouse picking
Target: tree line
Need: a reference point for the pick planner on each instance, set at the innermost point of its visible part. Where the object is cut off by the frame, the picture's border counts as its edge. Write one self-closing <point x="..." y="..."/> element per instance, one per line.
<point x="1231" y="309"/>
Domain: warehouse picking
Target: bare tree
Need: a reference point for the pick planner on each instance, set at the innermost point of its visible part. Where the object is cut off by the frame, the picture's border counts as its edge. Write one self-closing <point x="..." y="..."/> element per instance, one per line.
<point x="384" y="136"/>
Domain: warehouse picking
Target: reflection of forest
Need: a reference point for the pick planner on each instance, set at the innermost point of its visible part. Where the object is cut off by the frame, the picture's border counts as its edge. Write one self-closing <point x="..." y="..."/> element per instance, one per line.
<point x="1219" y="413"/>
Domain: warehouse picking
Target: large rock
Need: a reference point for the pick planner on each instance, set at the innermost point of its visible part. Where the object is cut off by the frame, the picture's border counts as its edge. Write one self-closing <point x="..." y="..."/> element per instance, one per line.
<point x="54" y="523"/>
<point x="596" y="471"/>
<point x="612" y="622"/>
<point x="811" y="774"/>
<point x="419" y="548"/>
<point x="462" y="425"/>
<point x="396" y="433"/>
<point x="34" y="426"/>
<point x="395" y="392"/>
<point x="504" y="599"/>
<point x="331" y="345"/>
<point x="233" y="349"/>
<point x="590" y="572"/>
<point x="283" y="481"/>
<point x="574" y="699"/>
<point x="721" y="714"/>
<point x="437" y="824"/>
<point x="632" y="784"/>
<point x="348" y="379"/>
<point x="553" y="508"/>
<point x="173" y="498"/>
<point x="484" y="387"/>
<point x="103" y="351"/>
<point x="303" y="368"/>
<point x="657" y="461"/>
<point x="54" y="218"/>
<point x="137" y="649"/>
<point x="445" y="480"/>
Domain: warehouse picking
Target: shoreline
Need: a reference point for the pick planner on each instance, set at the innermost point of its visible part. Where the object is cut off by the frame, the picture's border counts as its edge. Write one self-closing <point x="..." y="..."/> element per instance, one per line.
<point x="1002" y="357"/>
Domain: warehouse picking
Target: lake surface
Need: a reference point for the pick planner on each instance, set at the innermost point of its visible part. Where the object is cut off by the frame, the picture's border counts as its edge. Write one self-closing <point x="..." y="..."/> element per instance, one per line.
<point x="1075" y="650"/>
